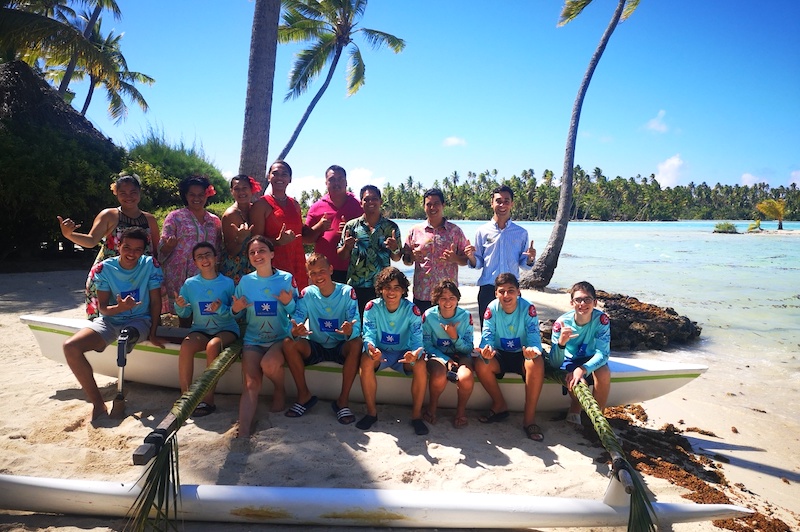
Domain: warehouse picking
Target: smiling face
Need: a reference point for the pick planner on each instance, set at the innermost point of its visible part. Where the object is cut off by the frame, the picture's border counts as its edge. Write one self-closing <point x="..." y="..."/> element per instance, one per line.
<point x="508" y="295"/>
<point x="336" y="183"/>
<point x="502" y="205"/>
<point x="260" y="257"/>
<point x="130" y="251"/>
<point x="583" y="303"/>
<point x="371" y="203"/>
<point x="241" y="191"/>
<point x="279" y="177"/>
<point x="128" y="195"/>
<point x="392" y="293"/>
<point x="196" y="198"/>
<point x="434" y="210"/>
<point x="319" y="274"/>
<point x="205" y="258"/>
<point x="448" y="302"/>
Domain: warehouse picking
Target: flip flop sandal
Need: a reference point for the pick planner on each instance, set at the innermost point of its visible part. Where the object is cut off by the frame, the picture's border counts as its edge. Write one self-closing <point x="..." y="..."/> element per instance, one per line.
<point x="204" y="409"/>
<point x="534" y="432"/>
<point x="366" y="422"/>
<point x="343" y="415"/>
<point x="420" y="428"/>
<point x="493" y="417"/>
<point x="299" y="410"/>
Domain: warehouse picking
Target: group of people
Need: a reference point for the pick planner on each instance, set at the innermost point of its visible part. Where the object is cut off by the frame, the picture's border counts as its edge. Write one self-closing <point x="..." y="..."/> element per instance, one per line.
<point x="344" y="303"/>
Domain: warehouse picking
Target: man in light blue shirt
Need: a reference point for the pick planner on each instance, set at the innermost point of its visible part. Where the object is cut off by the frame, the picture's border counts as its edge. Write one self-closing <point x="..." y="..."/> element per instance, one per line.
<point x="501" y="246"/>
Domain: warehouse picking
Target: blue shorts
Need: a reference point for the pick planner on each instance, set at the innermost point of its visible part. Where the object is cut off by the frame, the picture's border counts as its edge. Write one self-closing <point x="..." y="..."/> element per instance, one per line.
<point x="570" y="364"/>
<point x="320" y="353"/>
<point x="390" y="359"/>
<point x="109" y="333"/>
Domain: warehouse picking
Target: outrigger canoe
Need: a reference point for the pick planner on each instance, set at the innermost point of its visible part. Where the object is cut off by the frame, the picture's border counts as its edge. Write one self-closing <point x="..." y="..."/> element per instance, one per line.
<point x="350" y="507"/>
<point x="633" y="379"/>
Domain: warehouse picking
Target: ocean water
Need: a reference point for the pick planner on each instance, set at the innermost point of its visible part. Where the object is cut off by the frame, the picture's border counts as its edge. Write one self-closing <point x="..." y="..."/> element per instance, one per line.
<point x="744" y="290"/>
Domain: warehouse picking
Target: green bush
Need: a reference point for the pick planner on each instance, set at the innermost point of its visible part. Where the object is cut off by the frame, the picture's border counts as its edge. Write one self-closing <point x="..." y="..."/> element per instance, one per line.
<point x="725" y="227"/>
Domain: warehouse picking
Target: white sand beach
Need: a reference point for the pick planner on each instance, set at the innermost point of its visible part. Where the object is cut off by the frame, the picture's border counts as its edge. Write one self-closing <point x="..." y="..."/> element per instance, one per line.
<point x="44" y="432"/>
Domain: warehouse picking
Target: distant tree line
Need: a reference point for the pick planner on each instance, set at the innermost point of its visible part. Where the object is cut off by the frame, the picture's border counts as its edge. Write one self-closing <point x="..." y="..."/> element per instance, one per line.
<point x="596" y="197"/>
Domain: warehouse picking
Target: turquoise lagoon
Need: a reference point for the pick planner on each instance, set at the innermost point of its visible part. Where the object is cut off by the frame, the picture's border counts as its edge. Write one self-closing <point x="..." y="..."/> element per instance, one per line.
<point x="743" y="289"/>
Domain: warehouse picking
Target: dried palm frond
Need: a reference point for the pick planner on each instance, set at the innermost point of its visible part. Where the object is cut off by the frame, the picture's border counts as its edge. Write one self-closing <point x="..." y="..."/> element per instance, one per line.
<point x="161" y="489"/>
<point x="642" y="515"/>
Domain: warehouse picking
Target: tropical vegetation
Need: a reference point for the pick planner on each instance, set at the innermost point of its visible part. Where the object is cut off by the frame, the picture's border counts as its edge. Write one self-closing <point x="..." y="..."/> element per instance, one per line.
<point x="330" y="26"/>
<point x="773" y="208"/>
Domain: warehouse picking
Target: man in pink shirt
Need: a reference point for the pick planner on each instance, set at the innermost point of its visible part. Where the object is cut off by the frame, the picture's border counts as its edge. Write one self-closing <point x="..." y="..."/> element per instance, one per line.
<point x="338" y="206"/>
<point x="435" y="247"/>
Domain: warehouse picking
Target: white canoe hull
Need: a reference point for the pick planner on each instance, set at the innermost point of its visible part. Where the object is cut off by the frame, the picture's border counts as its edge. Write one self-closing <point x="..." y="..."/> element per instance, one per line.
<point x="633" y="380"/>
<point x="347" y="507"/>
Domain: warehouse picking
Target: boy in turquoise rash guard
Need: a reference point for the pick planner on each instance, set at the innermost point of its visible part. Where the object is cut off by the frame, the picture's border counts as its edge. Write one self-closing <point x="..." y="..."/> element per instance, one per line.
<point x="267" y="296"/>
<point x="581" y="343"/>
<point x="207" y="298"/>
<point x="393" y="339"/>
<point x="511" y="342"/>
<point x="128" y="295"/>
<point x="335" y="336"/>
<point x="447" y="335"/>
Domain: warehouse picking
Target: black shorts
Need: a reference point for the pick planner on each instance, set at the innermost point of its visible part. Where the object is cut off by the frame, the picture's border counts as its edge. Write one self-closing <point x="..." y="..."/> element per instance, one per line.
<point x="510" y="362"/>
<point x="320" y="353"/>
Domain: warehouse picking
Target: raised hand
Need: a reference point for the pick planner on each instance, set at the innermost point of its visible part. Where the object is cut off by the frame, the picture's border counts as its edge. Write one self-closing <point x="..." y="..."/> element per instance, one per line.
<point x="350" y="240"/>
<point x="342" y="222"/>
<point x="469" y="251"/>
<point x="567" y="334"/>
<point x="180" y="300"/>
<point x="324" y="223"/>
<point x="450" y="254"/>
<point x="214" y="307"/>
<point x="239" y="304"/>
<point x="409" y="357"/>
<point x="346" y="328"/>
<point x="67" y="226"/>
<point x="451" y="329"/>
<point x="373" y="352"/>
<point x="126" y="304"/>
<point x="285" y="236"/>
<point x="531" y="253"/>
<point x="391" y="243"/>
<point x="168" y="244"/>
<point x="285" y="297"/>
<point x="299" y="329"/>
<point x="486" y="352"/>
<point x="242" y="231"/>
<point x="529" y="353"/>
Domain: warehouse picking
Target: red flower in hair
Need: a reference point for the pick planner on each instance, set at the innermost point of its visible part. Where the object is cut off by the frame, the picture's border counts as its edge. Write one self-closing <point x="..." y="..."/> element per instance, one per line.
<point x="255" y="186"/>
<point x="210" y="191"/>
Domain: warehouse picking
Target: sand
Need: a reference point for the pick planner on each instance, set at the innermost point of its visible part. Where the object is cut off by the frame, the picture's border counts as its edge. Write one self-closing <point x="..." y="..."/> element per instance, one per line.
<point x="739" y="452"/>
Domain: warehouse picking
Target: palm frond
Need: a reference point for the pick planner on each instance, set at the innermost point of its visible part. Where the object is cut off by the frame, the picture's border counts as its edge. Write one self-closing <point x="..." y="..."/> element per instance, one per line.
<point x="571" y="9"/>
<point x="297" y="28"/>
<point x="309" y="64"/>
<point x="377" y="39"/>
<point x="642" y="515"/>
<point x="160" y="495"/>
<point x="630" y="7"/>
<point x="355" y="71"/>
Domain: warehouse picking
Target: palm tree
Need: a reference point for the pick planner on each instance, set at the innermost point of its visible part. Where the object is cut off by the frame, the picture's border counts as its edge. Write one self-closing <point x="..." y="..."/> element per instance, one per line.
<point x="118" y="83"/>
<point x="90" y="22"/>
<point x="330" y="25"/>
<point x="25" y="31"/>
<point x="773" y="208"/>
<point x="545" y="266"/>
<point x="260" y="81"/>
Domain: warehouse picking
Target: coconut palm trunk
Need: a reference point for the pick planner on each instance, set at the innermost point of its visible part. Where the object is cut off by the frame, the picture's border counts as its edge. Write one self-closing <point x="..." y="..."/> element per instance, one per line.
<point x="70" y="70"/>
<point x="296" y="133"/>
<point x="260" y="81"/>
<point x="545" y="266"/>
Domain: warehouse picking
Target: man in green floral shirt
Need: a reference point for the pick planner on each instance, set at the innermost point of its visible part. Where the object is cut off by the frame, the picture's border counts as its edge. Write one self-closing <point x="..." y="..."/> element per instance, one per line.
<point x="369" y="242"/>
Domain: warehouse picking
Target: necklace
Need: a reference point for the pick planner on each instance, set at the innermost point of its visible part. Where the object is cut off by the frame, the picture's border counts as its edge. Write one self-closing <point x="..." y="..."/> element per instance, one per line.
<point x="279" y="200"/>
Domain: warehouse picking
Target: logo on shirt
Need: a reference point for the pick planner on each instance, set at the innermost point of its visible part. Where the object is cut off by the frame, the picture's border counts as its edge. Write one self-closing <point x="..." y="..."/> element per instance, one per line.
<point x="206" y="308"/>
<point x="470" y="318"/>
<point x="557" y="327"/>
<point x="511" y="344"/>
<point x="353" y="295"/>
<point x="328" y="325"/>
<point x="487" y="315"/>
<point x="444" y="343"/>
<point x="532" y="311"/>
<point x="133" y="293"/>
<point x="368" y="306"/>
<point x="416" y="311"/>
<point x="390" y="339"/>
<point x="266" y="308"/>
<point x="303" y="292"/>
<point x="604" y="318"/>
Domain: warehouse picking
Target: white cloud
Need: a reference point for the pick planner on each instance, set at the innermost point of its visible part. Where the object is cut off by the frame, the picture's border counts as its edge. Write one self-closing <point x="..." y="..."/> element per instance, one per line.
<point x="454" y="141"/>
<point x="750" y="179"/>
<point x="794" y="177"/>
<point x="228" y="174"/>
<point x="669" y="171"/>
<point x="657" y="124"/>
<point x="306" y="182"/>
<point x="358" y="177"/>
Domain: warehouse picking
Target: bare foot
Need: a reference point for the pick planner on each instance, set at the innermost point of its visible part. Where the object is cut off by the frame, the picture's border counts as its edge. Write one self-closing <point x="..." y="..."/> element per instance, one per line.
<point x="278" y="403"/>
<point x="99" y="411"/>
<point x="430" y="418"/>
<point x="460" y="422"/>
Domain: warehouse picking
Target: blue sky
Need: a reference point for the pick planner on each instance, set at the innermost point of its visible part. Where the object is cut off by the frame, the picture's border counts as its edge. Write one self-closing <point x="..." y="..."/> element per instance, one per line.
<point x="689" y="91"/>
